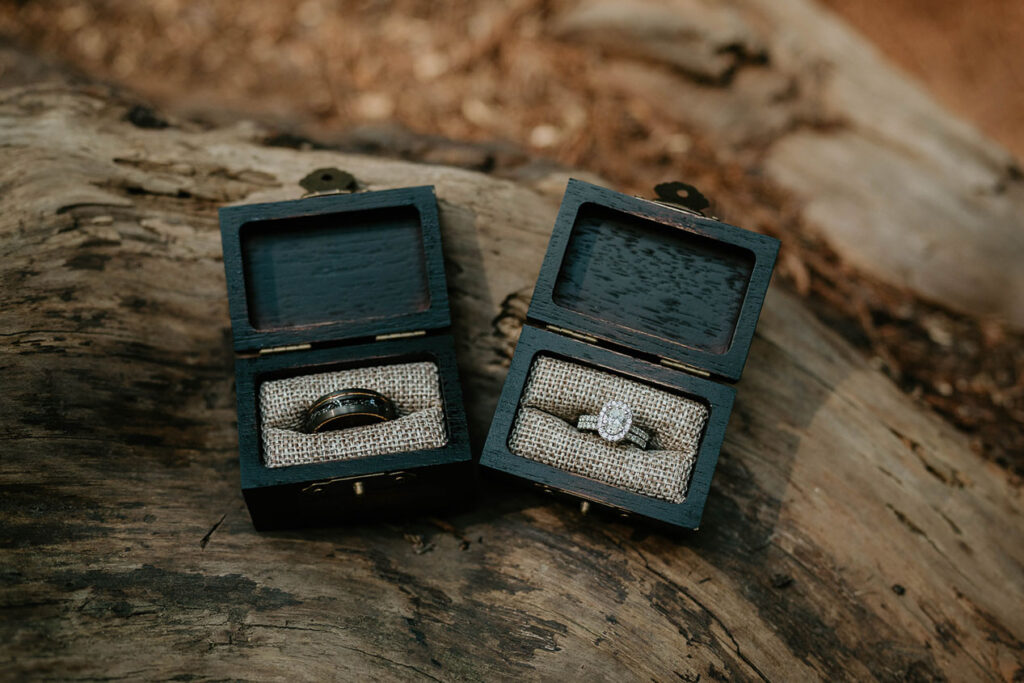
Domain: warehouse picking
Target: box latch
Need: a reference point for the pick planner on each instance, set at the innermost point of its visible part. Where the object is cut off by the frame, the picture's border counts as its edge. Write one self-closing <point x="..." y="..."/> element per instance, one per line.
<point x="328" y="181"/>
<point x="682" y="197"/>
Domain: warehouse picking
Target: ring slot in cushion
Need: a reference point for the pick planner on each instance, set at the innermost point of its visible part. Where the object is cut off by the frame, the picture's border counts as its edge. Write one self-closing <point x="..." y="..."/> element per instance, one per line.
<point x="557" y="392"/>
<point x="414" y="388"/>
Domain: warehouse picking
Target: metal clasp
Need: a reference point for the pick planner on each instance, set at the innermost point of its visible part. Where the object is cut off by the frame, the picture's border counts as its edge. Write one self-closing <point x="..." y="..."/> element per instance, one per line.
<point x="328" y="181"/>
<point x="682" y="197"/>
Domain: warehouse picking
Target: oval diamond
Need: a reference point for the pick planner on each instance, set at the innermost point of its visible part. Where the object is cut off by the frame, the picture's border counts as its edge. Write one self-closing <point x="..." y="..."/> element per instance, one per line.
<point x="614" y="421"/>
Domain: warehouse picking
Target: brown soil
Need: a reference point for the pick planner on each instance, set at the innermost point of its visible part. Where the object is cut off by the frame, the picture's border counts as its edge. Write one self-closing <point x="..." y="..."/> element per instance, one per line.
<point x="486" y="71"/>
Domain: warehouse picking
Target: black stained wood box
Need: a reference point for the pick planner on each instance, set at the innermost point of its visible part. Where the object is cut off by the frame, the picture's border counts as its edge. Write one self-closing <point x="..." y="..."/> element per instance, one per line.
<point x="656" y="294"/>
<point x="328" y="283"/>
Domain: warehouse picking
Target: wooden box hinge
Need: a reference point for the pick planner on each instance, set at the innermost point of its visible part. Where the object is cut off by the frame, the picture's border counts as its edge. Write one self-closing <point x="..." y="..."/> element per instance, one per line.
<point x="292" y="347"/>
<point x="684" y="367"/>
<point x="680" y="209"/>
<point x="399" y="335"/>
<point x="575" y="335"/>
<point x="307" y="346"/>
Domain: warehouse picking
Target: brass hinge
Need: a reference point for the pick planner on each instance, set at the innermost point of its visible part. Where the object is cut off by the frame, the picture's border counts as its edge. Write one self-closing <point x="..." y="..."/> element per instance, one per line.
<point x="676" y="207"/>
<point x="279" y="349"/>
<point x="399" y="335"/>
<point x="575" y="335"/>
<point x="684" y="367"/>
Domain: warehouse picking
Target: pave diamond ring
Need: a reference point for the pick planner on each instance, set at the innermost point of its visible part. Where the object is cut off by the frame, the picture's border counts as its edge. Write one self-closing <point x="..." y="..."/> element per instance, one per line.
<point x="614" y="424"/>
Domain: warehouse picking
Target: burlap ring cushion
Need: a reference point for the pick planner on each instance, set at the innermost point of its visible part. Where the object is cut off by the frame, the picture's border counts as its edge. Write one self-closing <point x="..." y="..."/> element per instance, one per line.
<point x="413" y="387"/>
<point x="559" y="391"/>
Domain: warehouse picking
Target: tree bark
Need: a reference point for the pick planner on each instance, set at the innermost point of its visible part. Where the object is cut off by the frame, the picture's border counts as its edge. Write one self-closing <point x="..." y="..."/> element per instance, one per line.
<point x="849" y="532"/>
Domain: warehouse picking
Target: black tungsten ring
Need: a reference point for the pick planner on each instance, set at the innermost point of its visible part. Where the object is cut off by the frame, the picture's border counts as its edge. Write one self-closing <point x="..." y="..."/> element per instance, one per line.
<point x="348" y="408"/>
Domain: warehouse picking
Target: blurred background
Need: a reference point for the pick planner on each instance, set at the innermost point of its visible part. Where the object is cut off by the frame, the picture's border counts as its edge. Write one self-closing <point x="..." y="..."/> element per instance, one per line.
<point x="508" y="87"/>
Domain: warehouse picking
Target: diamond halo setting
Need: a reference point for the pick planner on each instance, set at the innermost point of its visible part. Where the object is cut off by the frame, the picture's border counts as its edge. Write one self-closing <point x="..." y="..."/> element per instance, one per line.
<point x="614" y="421"/>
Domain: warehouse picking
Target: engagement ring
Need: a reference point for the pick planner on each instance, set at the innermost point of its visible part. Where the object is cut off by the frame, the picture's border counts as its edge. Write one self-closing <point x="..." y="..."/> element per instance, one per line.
<point x="614" y="424"/>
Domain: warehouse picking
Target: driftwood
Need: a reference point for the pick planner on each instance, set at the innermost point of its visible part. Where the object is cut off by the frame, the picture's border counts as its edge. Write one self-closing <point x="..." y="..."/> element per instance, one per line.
<point x="849" y="533"/>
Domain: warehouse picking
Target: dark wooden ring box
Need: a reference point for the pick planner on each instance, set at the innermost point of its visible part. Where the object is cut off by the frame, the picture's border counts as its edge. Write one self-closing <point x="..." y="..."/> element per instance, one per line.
<point x="333" y="282"/>
<point x="654" y="293"/>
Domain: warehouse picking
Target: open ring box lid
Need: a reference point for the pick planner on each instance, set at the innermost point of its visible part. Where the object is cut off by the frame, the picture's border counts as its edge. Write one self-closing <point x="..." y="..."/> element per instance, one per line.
<point x="659" y="287"/>
<point x="334" y="268"/>
<point x="330" y="282"/>
<point x="655" y="279"/>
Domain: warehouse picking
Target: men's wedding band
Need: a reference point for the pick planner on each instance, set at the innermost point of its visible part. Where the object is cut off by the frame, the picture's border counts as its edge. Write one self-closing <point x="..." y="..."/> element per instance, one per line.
<point x="348" y="408"/>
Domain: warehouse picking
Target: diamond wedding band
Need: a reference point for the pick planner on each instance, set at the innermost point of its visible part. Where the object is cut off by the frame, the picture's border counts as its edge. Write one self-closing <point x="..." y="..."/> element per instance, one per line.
<point x="615" y="423"/>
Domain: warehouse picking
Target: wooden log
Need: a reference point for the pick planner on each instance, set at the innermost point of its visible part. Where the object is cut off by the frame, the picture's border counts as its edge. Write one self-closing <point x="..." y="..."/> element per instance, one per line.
<point x="849" y="532"/>
<point x="896" y="184"/>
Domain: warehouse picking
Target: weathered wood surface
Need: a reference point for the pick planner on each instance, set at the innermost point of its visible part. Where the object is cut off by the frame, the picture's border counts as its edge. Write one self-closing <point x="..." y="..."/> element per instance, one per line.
<point x="849" y="533"/>
<point x="897" y="185"/>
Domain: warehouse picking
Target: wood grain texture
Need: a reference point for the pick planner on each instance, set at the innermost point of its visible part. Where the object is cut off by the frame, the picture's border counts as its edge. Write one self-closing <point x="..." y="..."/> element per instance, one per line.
<point x="848" y="534"/>
<point x="654" y="279"/>
<point x="334" y="268"/>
